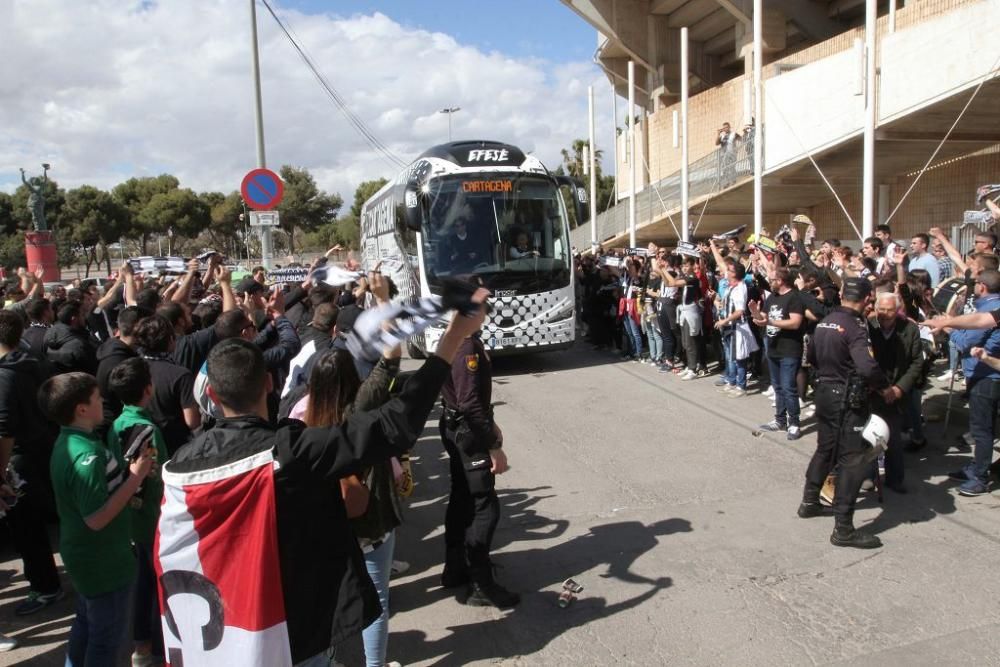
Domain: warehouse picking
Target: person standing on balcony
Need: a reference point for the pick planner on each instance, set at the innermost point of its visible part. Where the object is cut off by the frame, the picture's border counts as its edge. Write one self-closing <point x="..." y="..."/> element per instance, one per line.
<point x="726" y="141"/>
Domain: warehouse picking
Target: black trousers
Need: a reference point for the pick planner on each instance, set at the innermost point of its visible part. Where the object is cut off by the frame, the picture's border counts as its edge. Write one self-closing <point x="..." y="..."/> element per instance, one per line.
<point x="894" y="454"/>
<point x="28" y="527"/>
<point x="473" y="507"/>
<point x="838" y="442"/>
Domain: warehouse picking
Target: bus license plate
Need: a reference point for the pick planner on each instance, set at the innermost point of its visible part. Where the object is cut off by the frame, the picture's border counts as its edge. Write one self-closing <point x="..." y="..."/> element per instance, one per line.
<point x="511" y="340"/>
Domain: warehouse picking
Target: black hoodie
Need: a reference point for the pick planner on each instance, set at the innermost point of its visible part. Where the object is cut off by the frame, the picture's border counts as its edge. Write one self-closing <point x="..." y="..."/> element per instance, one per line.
<point x="20" y="417"/>
<point x="111" y="353"/>
<point x="71" y="350"/>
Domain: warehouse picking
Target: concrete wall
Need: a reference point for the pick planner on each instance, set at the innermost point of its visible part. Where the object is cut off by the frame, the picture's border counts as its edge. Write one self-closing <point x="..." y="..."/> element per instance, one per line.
<point x="940" y="198"/>
<point x="932" y="60"/>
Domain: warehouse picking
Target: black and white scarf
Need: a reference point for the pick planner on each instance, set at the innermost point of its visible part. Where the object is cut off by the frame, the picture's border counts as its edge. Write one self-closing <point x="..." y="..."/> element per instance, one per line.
<point x="379" y="329"/>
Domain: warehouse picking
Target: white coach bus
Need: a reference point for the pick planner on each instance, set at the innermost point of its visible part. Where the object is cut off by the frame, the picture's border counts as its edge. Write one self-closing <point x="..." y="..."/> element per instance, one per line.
<point x="481" y="211"/>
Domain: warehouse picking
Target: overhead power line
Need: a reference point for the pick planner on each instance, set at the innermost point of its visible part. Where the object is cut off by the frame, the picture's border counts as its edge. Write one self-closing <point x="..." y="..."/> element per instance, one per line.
<point x="338" y="99"/>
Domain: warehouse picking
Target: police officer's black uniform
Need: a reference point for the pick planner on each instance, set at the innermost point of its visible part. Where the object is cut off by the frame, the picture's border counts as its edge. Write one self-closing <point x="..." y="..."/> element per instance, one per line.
<point x="468" y="434"/>
<point x="846" y="371"/>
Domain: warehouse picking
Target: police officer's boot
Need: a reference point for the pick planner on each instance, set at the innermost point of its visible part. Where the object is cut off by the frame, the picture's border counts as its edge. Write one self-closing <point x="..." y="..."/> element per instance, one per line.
<point x="484" y="591"/>
<point x="845" y="535"/>
<point x="456" y="569"/>
<point x="810" y="507"/>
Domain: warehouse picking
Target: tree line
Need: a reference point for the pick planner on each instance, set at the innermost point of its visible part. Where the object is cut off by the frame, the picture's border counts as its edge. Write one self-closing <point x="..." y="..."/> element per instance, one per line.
<point x="94" y="226"/>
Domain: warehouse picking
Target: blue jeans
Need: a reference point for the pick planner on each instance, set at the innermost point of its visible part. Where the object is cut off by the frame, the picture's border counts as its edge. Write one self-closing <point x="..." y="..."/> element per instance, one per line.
<point x="736" y="369"/>
<point x="634" y="335"/>
<point x="652" y="330"/>
<point x="98" y="629"/>
<point x="984" y="397"/>
<point x="376" y="635"/>
<point x="786" y="396"/>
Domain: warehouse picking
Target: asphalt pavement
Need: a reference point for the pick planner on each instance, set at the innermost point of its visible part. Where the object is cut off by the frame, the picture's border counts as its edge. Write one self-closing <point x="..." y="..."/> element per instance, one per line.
<point x="680" y="524"/>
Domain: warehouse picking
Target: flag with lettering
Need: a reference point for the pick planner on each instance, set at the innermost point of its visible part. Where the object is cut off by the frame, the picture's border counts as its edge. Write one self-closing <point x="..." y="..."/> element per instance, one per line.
<point x="217" y="564"/>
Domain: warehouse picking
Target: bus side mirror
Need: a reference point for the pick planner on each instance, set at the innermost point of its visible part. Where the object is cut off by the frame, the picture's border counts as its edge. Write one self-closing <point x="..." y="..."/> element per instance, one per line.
<point x="578" y="195"/>
<point x="412" y="211"/>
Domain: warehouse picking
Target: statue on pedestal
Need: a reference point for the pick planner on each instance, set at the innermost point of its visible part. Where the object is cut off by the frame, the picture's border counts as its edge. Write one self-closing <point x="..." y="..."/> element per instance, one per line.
<point x="36" y="197"/>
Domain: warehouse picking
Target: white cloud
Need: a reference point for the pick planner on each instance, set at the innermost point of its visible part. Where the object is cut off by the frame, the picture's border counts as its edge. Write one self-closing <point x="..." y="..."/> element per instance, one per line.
<point x="106" y="89"/>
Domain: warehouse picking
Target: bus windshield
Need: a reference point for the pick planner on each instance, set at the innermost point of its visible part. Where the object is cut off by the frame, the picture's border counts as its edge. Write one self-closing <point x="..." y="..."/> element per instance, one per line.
<point x="509" y="230"/>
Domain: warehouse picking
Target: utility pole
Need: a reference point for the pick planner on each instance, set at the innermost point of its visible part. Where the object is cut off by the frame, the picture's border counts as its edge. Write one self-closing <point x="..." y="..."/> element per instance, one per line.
<point x="266" y="248"/>
<point x="631" y="153"/>
<point x="685" y="177"/>
<point x="450" y="111"/>
<point x="868" y="184"/>
<point x="758" y="110"/>
<point x="592" y="159"/>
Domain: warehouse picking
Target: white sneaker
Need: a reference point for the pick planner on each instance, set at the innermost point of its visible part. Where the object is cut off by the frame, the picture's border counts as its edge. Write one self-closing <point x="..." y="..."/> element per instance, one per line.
<point x="946" y="376"/>
<point x="400" y="567"/>
<point x="7" y="643"/>
<point x="769" y="393"/>
<point x="688" y="375"/>
<point x="736" y="392"/>
<point x="803" y="404"/>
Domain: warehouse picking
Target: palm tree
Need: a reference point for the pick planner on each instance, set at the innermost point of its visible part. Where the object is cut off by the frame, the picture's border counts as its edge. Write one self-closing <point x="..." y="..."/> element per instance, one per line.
<point x="574" y="162"/>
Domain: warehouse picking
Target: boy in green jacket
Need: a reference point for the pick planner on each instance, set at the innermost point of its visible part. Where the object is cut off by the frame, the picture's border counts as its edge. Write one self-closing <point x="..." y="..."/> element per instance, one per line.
<point x="92" y="488"/>
<point x="131" y="383"/>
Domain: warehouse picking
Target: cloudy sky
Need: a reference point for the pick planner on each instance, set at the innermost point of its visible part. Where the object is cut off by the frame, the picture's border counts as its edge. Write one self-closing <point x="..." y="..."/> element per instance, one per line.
<point x="109" y="89"/>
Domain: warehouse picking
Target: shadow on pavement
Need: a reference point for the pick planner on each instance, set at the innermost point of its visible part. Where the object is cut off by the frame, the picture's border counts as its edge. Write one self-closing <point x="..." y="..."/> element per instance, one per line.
<point x="538" y="620"/>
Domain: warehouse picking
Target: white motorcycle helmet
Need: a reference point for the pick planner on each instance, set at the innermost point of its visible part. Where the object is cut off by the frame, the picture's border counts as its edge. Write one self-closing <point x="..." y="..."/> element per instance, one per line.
<point x="876" y="432"/>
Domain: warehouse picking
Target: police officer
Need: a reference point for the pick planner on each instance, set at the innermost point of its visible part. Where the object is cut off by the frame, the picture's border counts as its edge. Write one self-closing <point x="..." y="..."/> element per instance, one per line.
<point x="846" y="372"/>
<point x="475" y="450"/>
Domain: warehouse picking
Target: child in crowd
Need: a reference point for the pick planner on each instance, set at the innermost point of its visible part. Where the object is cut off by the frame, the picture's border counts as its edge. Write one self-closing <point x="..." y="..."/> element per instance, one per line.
<point x="131" y="383"/>
<point x="92" y="489"/>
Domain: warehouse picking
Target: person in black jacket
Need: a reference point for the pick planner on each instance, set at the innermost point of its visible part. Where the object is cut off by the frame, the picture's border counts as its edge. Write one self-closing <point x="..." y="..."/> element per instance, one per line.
<point x="896" y="343"/>
<point x="173" y="406"/>
<point x="845" y="373"/>
<point x="328" y="596"/>
<point x="40" y="317"/>
<point x="474" y="444"/>
<point x="69" y="346"/>
<point x="26" y="439"/>
<point x="111" y="353"/>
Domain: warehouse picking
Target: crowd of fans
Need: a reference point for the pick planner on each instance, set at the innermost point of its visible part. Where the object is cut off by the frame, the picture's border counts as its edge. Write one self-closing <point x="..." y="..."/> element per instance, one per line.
<point x="101" y="382"/>
<point x="752" y="305"/>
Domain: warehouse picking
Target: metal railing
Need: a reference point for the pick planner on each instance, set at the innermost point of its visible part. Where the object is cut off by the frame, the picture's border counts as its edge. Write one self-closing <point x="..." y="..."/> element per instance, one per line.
<point x="717" y="171"/>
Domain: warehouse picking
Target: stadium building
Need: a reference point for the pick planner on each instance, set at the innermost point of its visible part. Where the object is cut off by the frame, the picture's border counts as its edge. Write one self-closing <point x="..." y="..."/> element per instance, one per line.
<point x="936" y="72"/>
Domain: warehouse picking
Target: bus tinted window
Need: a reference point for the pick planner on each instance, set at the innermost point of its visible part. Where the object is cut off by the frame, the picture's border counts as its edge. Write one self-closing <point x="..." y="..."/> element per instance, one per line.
<point x="497" y="227"/>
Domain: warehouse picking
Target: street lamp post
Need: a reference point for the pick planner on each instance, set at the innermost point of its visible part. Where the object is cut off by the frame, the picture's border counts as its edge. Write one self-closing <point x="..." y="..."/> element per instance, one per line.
<point x="450" y="111"/>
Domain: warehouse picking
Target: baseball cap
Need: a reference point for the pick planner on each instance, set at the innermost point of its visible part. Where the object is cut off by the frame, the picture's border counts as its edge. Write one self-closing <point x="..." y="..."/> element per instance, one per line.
<point x="346" y="318"/>
<point x="856" y="289"/>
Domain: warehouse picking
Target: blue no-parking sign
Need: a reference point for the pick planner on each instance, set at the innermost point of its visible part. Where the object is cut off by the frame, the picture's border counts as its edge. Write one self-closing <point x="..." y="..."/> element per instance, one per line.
<point x="262" y="189"/>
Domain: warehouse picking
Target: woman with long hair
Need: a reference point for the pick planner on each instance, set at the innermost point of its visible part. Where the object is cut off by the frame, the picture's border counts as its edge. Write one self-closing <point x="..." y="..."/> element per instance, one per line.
<point x="371" y="498"/>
